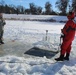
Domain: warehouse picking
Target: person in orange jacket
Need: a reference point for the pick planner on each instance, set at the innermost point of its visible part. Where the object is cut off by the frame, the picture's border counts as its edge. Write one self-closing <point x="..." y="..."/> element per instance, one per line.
<point x="68" y="32"/>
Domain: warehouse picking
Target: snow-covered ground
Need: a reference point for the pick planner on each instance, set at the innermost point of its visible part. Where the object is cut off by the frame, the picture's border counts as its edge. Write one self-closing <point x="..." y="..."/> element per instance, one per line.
<point x="21" y="35"/>
<point x="34" y="17"/>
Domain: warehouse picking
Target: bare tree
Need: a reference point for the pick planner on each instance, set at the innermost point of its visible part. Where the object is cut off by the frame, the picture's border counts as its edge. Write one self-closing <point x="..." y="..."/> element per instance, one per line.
<point x="2" y="3"/>
<point x="48" y="8"/>
<point x="73" y="4"/>
<point x="62" y="5"/>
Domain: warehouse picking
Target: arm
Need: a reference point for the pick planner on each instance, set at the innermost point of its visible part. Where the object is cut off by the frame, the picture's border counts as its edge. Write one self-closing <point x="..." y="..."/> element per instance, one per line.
<point x="69" y="26"/>
<point x="64" y="30"/>
<point x="3" y="22"/>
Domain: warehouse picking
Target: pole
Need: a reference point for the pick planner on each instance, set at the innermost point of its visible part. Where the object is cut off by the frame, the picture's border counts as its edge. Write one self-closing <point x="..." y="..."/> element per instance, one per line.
<point x="46" y="34"/>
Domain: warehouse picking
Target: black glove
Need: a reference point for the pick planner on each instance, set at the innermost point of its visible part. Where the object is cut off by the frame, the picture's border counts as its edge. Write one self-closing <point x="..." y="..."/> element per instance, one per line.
<point x="62" y="36"/>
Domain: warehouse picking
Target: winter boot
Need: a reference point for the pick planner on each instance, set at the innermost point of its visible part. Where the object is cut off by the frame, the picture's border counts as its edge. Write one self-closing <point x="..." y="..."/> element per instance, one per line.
<point x="61" y="58"/>
<point x="67" y="57"/>
<point x="1" y="42"/>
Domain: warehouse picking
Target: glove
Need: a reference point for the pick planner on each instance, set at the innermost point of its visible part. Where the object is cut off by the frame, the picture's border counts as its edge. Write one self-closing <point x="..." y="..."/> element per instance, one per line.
<point x="62" y="35"/>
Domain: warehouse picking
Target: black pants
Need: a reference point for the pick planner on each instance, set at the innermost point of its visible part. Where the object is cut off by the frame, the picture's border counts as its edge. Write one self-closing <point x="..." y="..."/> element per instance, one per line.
<point x="1" y="35"/>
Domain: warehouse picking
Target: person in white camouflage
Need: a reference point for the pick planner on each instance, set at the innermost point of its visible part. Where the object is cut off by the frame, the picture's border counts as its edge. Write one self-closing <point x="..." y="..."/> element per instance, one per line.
<point x="2" y="23"/>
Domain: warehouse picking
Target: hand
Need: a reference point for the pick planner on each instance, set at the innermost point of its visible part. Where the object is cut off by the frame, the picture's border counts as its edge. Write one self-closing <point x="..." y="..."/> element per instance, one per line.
<point x="62" y="36"/>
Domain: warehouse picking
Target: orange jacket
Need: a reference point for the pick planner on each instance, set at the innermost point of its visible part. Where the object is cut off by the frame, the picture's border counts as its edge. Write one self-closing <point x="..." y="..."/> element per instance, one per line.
<point x="69" y="29"/>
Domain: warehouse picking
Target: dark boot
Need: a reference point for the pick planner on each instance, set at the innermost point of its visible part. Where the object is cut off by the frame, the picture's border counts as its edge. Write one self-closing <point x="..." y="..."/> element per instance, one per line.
<point x="1" y="42"/>
<point x="67" y="57"/>
<point x="61" y="58"/>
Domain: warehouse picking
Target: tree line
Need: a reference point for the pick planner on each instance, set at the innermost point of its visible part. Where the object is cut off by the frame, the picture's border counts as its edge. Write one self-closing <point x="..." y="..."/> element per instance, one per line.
<point x="63" y="6"/>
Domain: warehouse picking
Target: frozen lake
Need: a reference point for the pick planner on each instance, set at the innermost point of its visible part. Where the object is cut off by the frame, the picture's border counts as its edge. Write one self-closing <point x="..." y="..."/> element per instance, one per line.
<point x="20" y="36"/>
